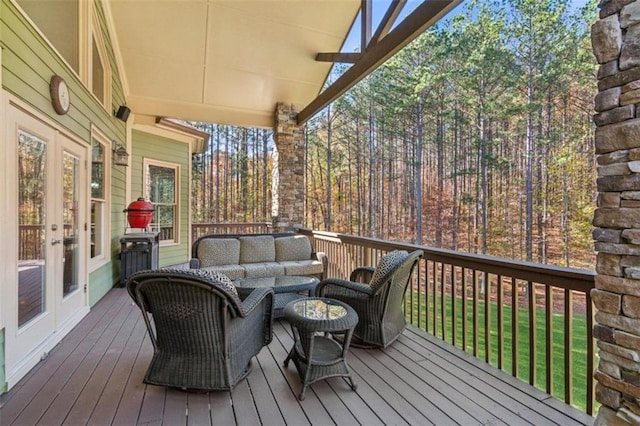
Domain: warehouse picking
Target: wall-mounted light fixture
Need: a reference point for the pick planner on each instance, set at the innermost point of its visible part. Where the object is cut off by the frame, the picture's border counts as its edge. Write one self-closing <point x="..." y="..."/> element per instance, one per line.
<point x="120" y="154"/>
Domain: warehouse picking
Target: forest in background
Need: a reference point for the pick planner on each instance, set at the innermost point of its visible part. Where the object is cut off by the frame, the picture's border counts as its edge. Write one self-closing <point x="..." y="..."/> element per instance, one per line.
<point x="477" y="137"/>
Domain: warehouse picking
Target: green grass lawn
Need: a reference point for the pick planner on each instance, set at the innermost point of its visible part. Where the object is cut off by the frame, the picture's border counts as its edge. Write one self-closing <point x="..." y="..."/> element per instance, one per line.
<point x="579" y="342"/>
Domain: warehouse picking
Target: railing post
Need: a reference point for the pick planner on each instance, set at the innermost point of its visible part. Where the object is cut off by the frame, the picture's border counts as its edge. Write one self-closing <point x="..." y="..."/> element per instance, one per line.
<point x="614" y="40"/>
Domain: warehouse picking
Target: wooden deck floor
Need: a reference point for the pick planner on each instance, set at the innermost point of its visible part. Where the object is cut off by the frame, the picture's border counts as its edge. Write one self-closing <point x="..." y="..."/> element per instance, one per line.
<point x="94" y="376"/>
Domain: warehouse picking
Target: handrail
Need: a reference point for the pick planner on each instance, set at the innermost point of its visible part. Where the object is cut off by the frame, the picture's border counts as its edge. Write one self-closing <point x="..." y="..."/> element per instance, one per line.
<point x="571" y="278"/>
<point x="465" y="299"/>
<point x="201" y="229"/>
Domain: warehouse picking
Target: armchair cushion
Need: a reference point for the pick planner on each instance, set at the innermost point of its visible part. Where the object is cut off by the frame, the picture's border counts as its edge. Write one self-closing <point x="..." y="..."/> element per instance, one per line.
<point x="385" y="266"/>
<point x="232" y="271"/>
<point x="223" y="282"/>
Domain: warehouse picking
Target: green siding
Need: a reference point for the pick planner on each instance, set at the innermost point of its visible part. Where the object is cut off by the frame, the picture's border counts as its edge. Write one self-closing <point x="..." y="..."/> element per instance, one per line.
<point x="154" y="147"/>
<point x="27" y="66"/>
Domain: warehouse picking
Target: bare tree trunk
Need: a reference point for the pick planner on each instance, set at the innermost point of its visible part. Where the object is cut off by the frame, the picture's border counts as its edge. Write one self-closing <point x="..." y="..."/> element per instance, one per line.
<point x="417" y="171"/>
<point x="439" y="173"/>
<point x="328" y="218"/>
<point x="528" y="155"/>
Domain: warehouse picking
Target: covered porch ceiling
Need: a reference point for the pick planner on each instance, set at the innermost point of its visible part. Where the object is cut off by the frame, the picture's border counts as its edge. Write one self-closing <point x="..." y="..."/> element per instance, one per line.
<point x="232" y="61"/>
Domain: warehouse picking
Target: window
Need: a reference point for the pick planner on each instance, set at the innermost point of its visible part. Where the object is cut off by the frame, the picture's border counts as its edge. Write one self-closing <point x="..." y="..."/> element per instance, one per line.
<point x="100" y="166"/>
<point x="162" y="191"/>
<point x="59" y="22"/>
<point x="73" y="29"/>
<point x="100" y="72"/>
<point x="97" y="72"/>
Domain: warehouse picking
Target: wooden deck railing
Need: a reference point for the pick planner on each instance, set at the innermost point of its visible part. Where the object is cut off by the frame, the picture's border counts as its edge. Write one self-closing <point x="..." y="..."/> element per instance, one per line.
<point x="200" y="229"/>
<point x="532" y="320"/>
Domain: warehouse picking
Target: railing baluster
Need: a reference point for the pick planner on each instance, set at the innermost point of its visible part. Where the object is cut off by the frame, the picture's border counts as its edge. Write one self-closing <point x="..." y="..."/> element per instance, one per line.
<point x="532" y="333"/>
<point x="549" y="337"/>
<point x="435" y="298"/>
<point x="487" y="318"/>
<point x="500" y="324"/>
<point x="412" y="292"/>
<point x="590" y="354"/>
<point x="514" y="327"/>
<point x="475" y="313"/>
<point x="443" y="308"/>
<point x="427" y="295"/>
<point x="568" y="346"/>
<point x="454" y="311"/>
<point x="464" y="309"/>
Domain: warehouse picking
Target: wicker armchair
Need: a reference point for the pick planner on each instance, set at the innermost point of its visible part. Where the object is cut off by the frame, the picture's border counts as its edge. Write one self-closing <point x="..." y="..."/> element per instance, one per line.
<point x="204" y="335"/>
<point x="378" y="303"/>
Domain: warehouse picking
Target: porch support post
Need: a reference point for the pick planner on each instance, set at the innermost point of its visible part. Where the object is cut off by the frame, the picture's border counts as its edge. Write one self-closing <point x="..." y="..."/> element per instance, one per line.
<point x="616" y="45"/>
<point x="288" y="180"/>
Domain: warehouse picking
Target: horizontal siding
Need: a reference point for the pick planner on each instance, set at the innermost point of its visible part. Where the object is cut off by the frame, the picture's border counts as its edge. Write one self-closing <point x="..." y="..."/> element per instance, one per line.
<point x="28" y="62"/>
<point x="155" y="147"/>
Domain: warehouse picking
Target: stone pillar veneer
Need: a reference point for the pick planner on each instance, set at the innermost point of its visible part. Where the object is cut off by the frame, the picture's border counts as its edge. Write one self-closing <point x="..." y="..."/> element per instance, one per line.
<point x="288" y="180"/>
<point x="616" y="45"/>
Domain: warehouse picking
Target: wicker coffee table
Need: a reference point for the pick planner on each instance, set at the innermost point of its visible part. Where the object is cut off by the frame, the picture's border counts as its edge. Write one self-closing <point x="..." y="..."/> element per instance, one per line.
<point x="286" y="288"/>
<point x="319" y="356"/>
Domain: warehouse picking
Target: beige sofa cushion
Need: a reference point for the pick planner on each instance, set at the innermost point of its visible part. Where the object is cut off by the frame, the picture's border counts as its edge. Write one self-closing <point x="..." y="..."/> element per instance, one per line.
<point x="255" y="249"/>
<point x="266" y="269"/>
<point x="219" y="251"/>
<point x="296" y="247"/>
<point x="302" y="267"/>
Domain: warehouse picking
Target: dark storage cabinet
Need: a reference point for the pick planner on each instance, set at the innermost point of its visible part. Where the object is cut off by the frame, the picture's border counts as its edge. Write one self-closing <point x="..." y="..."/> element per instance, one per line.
<point x="138" y="252"/>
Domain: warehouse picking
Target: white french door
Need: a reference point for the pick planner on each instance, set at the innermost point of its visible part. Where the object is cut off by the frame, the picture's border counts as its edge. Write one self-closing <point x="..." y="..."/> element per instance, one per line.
<point x="45" y="295"/>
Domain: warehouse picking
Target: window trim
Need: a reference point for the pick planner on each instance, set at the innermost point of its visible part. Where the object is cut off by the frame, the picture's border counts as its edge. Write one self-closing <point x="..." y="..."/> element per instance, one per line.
<point x="104" y="258"/>
<point x="88" y="28"/>
<point x="95" y="34"/>
<point x="146" y="162"/>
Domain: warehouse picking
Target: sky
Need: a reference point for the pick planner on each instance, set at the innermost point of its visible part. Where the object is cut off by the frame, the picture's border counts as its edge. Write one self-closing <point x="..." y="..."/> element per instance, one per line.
<point x="352" y="42"/>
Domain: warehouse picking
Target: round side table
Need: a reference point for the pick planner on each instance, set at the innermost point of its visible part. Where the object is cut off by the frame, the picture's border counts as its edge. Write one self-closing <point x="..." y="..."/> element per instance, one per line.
<point x="316" y="354"/>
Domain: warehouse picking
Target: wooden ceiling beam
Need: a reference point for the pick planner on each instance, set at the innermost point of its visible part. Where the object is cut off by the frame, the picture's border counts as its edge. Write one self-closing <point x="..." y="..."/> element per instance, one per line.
<point x="425" y="15"/>
<point x="350" y="58"/>
<point x="388" y="20"/>
<point x="366" y="20"/>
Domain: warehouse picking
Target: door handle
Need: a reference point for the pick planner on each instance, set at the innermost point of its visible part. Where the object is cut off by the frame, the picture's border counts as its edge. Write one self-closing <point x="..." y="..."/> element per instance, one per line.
<point x="54" y="241"/>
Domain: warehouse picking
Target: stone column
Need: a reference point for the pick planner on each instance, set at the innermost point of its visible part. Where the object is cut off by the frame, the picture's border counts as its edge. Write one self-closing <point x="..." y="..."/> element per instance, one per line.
<point x="616" y="45"/>
<point x="288" y="191"/>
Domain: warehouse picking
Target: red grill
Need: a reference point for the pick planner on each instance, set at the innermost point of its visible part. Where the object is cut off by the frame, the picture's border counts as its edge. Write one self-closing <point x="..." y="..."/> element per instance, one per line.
<point x="139" y="213"/>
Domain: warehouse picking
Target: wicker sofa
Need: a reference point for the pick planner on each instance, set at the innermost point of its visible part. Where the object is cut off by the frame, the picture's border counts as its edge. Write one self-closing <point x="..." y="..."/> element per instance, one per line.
<point x="258" y="255"/>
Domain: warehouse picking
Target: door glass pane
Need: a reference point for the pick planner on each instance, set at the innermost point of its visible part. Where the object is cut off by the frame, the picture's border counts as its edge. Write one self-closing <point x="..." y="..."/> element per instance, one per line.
<point x="70" y="203"/>
<point x="31" y="224"/>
